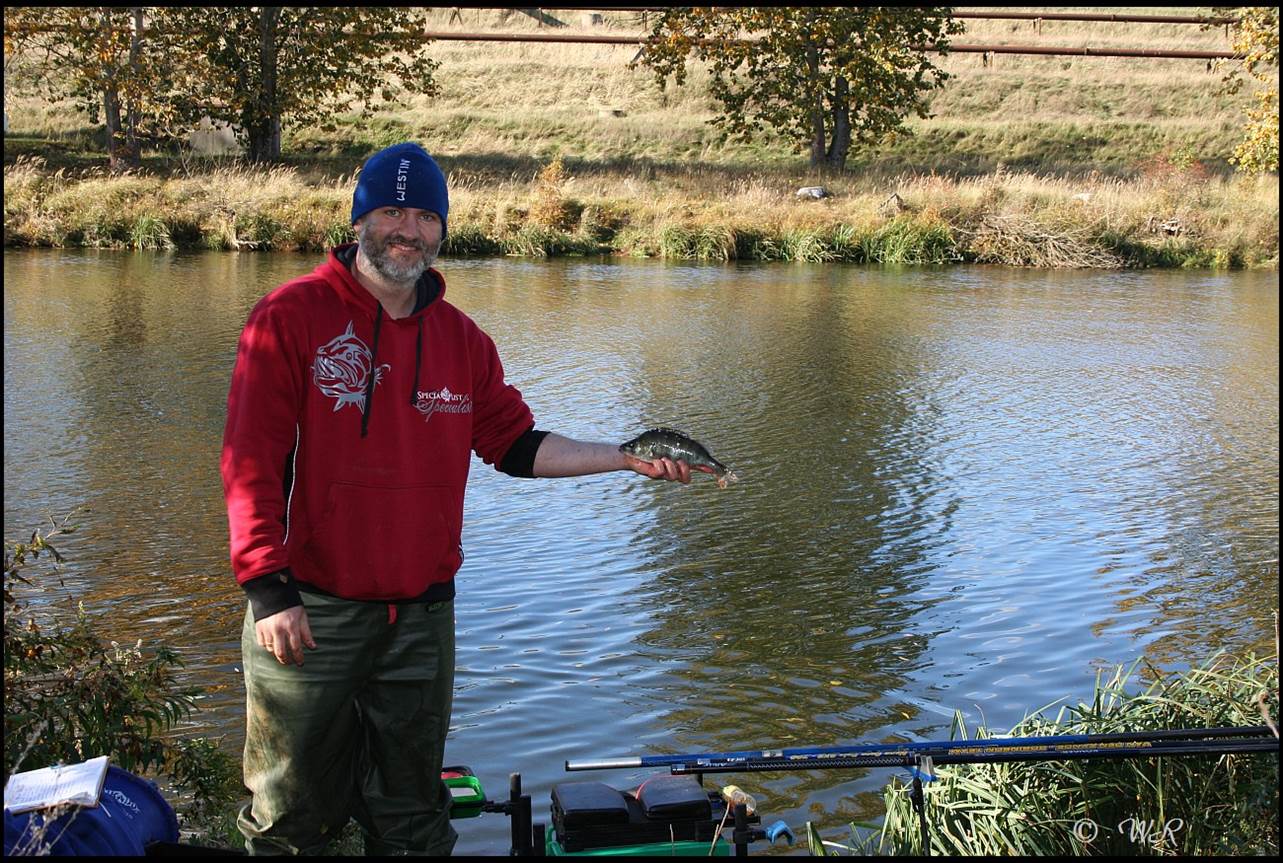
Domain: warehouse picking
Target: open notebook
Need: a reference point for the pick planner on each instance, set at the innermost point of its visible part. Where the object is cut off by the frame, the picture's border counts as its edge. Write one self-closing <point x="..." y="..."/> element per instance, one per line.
<point x="65" y="783"/>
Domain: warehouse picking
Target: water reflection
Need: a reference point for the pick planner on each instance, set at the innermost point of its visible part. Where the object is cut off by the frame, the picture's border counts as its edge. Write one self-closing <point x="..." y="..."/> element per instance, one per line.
<point x="789" y="590"/>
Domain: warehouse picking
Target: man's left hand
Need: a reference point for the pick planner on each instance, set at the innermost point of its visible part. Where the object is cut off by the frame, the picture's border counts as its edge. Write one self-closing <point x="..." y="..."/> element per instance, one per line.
<point x="662" y="468"/>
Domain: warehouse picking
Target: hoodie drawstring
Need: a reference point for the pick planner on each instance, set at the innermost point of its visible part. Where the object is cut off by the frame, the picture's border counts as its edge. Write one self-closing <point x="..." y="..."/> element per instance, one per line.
<point x="374" y="367"/>
<point x="418" y="356"/>
<point x="374" y="371"/>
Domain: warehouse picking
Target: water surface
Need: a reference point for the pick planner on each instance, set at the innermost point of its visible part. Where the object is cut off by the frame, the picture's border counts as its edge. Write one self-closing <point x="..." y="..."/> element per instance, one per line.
<point x="965" y="488"/>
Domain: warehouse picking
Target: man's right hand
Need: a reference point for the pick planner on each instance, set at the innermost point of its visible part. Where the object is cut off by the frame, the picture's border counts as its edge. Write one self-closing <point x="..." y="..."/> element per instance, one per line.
<point x="284" y="635"/>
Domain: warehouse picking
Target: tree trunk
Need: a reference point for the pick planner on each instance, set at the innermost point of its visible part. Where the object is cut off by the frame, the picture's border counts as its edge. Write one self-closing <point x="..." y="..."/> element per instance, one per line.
<point x="817" y="109"/>
<point x="132" y="148"/>
<point x="841" y="144"/>
<point x="265" y="127"/>
<point x="265" y="140"/>
<point x="117" y="153"/>
<point x="119" y="157"/>
<point x="817" y="135"/>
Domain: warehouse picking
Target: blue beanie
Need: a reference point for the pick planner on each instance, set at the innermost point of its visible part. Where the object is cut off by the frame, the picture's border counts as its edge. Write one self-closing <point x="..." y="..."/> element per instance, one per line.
<point x="402" y="175"/>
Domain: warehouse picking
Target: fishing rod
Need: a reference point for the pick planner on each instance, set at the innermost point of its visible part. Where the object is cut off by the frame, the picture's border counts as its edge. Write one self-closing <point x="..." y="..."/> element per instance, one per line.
<point x="1167" y="742"/>
<point x="1157" y="749"/>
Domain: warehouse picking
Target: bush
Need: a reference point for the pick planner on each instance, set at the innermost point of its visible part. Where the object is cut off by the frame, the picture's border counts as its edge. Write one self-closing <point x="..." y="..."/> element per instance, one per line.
<point x="600" y="222"/>
<point x="469" y="238"/>
<point x="70" y="695"/>
<point x="549" y="208"/>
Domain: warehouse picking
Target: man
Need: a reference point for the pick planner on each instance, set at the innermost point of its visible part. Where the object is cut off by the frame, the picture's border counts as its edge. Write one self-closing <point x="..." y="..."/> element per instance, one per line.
<point x="356" y="401"/>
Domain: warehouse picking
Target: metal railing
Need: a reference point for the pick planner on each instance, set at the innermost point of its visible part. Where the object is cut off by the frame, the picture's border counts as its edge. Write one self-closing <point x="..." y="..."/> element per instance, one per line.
<point x="1017" y="16"/>
<point x="572" y="38"/>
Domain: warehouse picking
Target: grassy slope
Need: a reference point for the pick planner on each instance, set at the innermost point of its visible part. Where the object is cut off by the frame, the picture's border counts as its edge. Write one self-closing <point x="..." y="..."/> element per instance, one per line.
<point x="1036" y="113"/>
<point x="510" y="105"/>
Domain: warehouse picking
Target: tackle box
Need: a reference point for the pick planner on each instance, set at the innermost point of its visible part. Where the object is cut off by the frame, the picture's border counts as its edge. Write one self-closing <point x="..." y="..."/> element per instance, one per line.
<point x="588" y="816"/>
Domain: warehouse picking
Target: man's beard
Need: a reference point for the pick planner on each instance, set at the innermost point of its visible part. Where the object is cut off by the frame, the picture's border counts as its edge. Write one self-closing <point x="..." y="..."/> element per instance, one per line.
<point x="376" y="252"/>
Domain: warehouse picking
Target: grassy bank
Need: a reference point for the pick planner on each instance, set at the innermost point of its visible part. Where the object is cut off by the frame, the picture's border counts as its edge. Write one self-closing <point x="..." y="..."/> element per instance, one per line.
<point x="1169" y="216"/>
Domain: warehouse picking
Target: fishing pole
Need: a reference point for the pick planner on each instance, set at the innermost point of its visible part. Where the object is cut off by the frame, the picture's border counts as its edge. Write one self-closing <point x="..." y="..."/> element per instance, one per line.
<point x="900" y="758"/>
<point x="1184" y="741"/>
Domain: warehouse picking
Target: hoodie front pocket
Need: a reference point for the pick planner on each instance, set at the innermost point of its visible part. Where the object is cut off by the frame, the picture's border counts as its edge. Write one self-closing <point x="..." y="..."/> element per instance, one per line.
<point x="387" y="543"/>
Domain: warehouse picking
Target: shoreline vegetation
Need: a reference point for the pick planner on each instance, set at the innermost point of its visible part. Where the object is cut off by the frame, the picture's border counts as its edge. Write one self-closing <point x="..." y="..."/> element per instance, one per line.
<point x="1190" y="806"/>
<point x="1174" y="213"/>
<point x="570" y="149"/>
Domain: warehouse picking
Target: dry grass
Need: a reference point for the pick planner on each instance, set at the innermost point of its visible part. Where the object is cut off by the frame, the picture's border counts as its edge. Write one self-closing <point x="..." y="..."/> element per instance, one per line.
<point x="1169" y="216"/>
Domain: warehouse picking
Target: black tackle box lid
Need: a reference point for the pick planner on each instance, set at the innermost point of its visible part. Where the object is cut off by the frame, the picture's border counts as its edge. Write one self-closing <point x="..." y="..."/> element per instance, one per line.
<point x="581" y="804"/>
<point x="587" y="815"/>
<point x="674" y="797"/>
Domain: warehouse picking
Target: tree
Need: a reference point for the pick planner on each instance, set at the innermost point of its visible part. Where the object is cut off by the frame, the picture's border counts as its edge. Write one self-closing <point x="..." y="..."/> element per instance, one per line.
<point x="267" y="64"/>
<point x="1256" y="37"/>
<point x="826" y="76"/>
<point x="109" y="59"/>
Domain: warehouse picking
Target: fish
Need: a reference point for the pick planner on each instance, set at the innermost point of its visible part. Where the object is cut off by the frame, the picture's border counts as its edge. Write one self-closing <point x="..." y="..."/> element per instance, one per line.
<point x="671" y="443"/>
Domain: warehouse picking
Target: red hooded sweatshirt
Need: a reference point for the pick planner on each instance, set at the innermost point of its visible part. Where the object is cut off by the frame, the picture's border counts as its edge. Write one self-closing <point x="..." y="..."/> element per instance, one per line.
<point x="349" y="436"/>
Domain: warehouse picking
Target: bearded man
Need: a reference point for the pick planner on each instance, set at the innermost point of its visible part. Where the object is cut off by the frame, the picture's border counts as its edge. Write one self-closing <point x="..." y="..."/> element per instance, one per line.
<point x="358" y="396"/>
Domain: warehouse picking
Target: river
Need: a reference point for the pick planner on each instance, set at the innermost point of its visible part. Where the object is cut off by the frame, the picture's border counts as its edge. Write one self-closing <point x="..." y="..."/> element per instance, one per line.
<point x="962" y="488"/>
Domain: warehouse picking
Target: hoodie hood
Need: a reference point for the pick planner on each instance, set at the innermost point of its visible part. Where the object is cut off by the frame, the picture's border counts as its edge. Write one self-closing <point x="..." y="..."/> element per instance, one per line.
<point x="337" y="271"/>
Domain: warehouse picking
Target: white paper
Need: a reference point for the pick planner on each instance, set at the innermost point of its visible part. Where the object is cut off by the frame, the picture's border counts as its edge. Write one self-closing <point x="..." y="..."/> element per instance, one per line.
<point x="50" y="786"/>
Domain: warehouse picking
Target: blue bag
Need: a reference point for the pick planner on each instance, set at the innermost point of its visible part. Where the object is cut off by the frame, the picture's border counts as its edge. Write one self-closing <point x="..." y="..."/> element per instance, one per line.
<point x="130" y="815"/>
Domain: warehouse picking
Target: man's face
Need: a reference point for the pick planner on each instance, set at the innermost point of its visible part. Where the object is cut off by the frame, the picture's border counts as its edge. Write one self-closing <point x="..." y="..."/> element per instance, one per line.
<point x="401" y="242"/>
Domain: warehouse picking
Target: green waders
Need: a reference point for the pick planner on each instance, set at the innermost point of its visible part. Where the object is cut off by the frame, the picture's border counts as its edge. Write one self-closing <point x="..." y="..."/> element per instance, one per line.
<point x="358" y="731"/>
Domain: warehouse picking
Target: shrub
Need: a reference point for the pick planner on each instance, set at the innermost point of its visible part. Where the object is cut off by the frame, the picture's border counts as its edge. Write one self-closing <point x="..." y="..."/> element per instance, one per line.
<point x="469" y="238"/>
<point x="70" y="695"/>
<point x="599" y="222"/>
<point x="549" y="207"/>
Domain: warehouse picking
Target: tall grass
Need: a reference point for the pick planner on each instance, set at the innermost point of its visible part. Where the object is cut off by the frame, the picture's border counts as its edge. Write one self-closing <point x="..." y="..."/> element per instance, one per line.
<point x="1189" y="805"/>
<point x="1172" y="215"/>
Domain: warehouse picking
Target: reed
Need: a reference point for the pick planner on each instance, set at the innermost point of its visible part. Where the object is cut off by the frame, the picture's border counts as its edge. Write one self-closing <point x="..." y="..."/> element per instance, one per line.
<point x="150" y="232"/>
<point x="1218" y="805"/>
<point x="1171" y="215"/>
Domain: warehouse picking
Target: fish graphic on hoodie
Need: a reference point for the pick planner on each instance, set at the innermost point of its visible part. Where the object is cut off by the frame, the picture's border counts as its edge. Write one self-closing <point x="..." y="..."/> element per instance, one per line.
<point x="342" y="368"/>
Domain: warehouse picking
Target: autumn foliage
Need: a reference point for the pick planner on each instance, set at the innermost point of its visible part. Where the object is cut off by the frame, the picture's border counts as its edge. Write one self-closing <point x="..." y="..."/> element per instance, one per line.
<point x="828" y="77"/>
